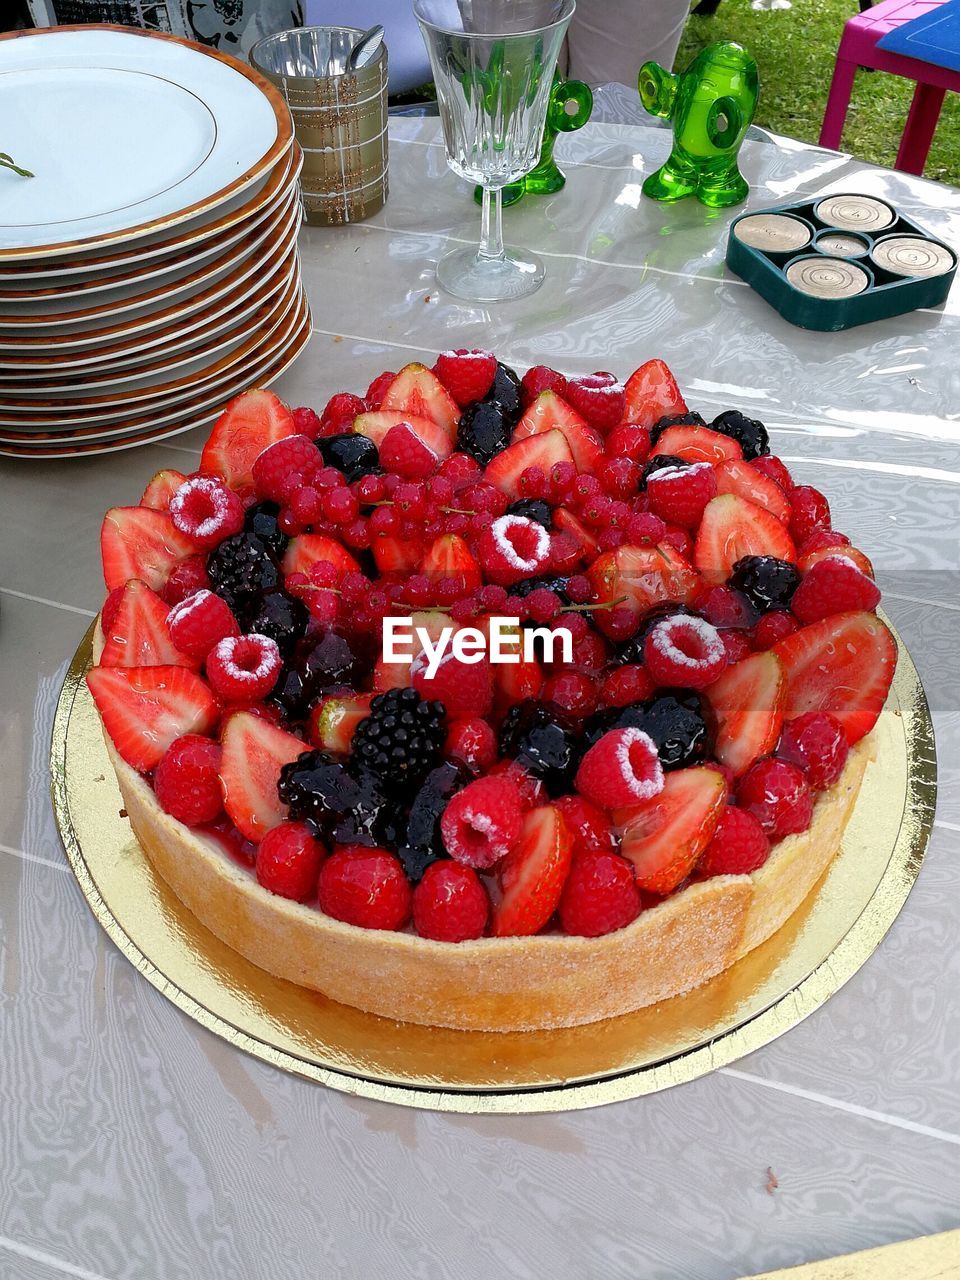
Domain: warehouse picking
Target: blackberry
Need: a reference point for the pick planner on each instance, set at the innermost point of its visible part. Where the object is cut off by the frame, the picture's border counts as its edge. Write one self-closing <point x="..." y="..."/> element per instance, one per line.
<point x="242" y="571"/>
<point x="558" y="584"/>
<point x="543" y="740"/>
<point x="676" y="720"/>
<point x="749" y="433"/>
<point x="350" y="453"/>
<point x="532" y="509"/>
<point x="343" y="805"/>
<point x="421" y="843"/>
<point x="282" y="619"/>
<point x="767" y="582"/>
<point x="327" y="666"/>
<point x="401" y="739"/>
<point x="484" y="431"/>
<point x="690" y="419"/>
<point x="632" y="650"/>
<point x="505" y="391"/>
<point x="658" y="463"/>
<point x="262" y="519"/>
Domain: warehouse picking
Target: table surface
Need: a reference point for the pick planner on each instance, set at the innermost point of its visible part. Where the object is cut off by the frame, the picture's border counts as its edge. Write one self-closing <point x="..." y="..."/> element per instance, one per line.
<point x="133" y="1143"/>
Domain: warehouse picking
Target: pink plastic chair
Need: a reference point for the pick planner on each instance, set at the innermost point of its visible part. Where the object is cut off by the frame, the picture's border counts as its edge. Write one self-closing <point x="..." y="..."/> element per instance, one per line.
<point x="858" y="48"/>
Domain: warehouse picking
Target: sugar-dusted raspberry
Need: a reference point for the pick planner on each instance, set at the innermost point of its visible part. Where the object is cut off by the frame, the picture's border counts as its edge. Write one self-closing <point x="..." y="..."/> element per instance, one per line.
<point x="778" y="795"/>
<point x="288" y="861"/>
<point x="724" y="606"/>
<point x="773" y="626"/>
<point x="809" y="511"/>
<point x="770" y="465"/>
<point x="206" y="511"/>
<point x="679" y="494"/>
<point x="187" y="780"/>
<point x="626" y="684"/>
<point x="200" y="622"/>
<point x="482" y="822"/>
<point x="472" y="741"/>
<point x="404" y="453"/>
<point x="816" y="742"/>
<point x="244" y="668"/>
<point x="738" y="846"/>
<point x="513" y="547"/>
<point x="365" y="887"/>
<point x="599" y="398"/>
<point x="574" y="692"/>
<point x="188" y="576"/>
<point x="378" y="389"/>
<point x="592" y="832"/>
<point x="629" y="440"/>
<point x="600" y="895"/>
<point x="108" y="612"/>
<point x="621" y="768"/>
<point x="339" y="413"/>
<point x="284" y="466"/>
<point x="465" y="689"/>
<point x="684" y="651"/>
<point x="450" y="903"/>
<point x="467" y="375"/>
<point x="307" y="422"/>
<point x="538" y="379"/>
<point x="833" y="585"/>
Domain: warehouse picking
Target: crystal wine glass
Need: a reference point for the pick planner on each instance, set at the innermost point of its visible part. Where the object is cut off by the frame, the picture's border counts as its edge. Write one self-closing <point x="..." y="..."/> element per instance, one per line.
<point x="493" y="64"/>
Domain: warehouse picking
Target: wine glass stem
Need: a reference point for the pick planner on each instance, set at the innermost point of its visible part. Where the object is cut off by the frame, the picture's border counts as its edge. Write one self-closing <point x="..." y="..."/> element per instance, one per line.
<point x="491" y="225"/>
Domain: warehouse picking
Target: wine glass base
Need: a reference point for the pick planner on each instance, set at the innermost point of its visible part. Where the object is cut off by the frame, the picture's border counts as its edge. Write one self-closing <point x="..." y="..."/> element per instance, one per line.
<point x="465" y="274"/>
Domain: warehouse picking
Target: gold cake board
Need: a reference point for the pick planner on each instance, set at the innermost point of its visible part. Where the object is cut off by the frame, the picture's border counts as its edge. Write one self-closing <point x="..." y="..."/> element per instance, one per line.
<point x="763" y="995"/>
<point x="934" y="1257"/>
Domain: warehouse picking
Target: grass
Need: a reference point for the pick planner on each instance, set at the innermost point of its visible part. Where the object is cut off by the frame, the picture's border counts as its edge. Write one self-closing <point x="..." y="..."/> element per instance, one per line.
<point x="795" y="51"/>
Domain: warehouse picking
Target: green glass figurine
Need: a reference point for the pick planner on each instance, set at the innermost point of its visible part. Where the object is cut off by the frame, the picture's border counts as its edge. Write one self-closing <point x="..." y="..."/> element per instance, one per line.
<point x="571" y="102"/>
<point x="711" y="105"/>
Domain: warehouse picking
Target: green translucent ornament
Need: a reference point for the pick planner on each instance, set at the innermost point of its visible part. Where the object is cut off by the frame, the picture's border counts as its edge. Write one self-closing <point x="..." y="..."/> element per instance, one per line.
<point x="571" y="102"/>
<point x="711" y="105"/>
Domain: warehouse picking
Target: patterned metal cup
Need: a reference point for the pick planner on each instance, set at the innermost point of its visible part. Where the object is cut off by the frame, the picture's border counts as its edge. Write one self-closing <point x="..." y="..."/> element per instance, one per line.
<point x="340" y="119"/>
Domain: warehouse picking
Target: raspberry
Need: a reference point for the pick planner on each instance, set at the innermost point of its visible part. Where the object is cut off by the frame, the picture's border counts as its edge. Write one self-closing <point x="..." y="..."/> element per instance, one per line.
<point x="626" y="684"/>
<point x="679" y="539"/>
<point x="769" y="465"/>
<point x="619" y="476"/>
<point x="189" y="576"/>
<point x="628" y="441"/>
<point x="778" y="796"/>
<point x="573" y="692"/>
<point x="187" y="780"/>
<point x="378" y="389"/>
<point x="726" y="607"/>
<point x="736" y="644"/>
<point x="206" y="511"/>
<point x="512" y="548"/>
<point x="288" y="861"/>
<point x="200" y="622"/>
<point x="339" y="413"/>
<point x="108" y="613"/>
<point x="621" y="768"/>
<point x="590" y="826"/>
<point x="773" y="626"/>
<point x="538" y="379"/>
<point x="530" y="788"/>
<point x="365" y="887"/>
<point x="285" y="466"/>
<point x="404" y="453"/>
<point x="482" y="822"/>
<point x="739" y="846"/>
<point x="600" y="895"/>
<point x="461" y="470"/>
<point x="822" y="539"/>
<point x="833" y="585"/>
<point x="645" y="529"/>
<point x="809" y="512"/>
<point x="307" y="422"/>
<point x="599" y="398"/>
<point x="815" y="741"/>
<point x="679" y="494"/>
<point x="450" y="903"/>
<point x="465" y="689"/>
<point x="244" y="668"/>
<point x="472" y="741"/>
<point x="467" y="375"/>
<point x="684" y="651"/>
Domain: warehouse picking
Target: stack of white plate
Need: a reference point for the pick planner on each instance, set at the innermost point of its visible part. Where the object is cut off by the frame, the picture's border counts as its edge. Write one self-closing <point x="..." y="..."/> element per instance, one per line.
<point x="149" y="268"/>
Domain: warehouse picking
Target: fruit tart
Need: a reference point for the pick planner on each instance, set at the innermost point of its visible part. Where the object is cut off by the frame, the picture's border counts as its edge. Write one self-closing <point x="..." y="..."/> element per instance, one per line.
<point x="644" y="787"/>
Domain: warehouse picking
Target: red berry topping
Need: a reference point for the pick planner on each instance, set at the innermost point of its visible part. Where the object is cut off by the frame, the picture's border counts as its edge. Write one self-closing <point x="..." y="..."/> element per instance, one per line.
<point x="778" y="795"/>
<point x="285" y="466"/>
<point x="626" y="684"/>
<point x="815" y="741"/>
<point x="620" y="769"/>
<point x="467" y="375"/>
<point x="450" y="903"/>
<point x="244" y="668"/>
<point x="739" y="846"/>
<point x="736" y="644"/>
<point x="206" y="511"/>
<point x="481" y="823"/>
<point x="769" y="465"/>
<point x="365" y="887"/>
<point x="110" y="606"/>
<point x="533" y="874"/>
<point x="378" y="388"/>
<point x="530" y="788"/>
<point x="306" y="422"/>
<point x="513" y="547"/>
<point x="200" y="622"/>
<point x="465" y="689"/>
<point x="189" y="576"/>
<point x="339" y="413"/>
<point x="679" y="494"/>
<point x="589" y="826"/>
<point x="822" y="540"/>
<point x="772" y="627"/>
<point x="629" y="441"/>
<point x="834" y="585"/>
<point x="472" y="741"/>
<point x="404" y="453"/>
<point x="600" y="895"/>
<point x="187" y="780"/>
<point x="598" y="397"/>
<point x="684" y="651"/>
<point x="288" y="861"/>
<point x="810" y="511"/>
<point x="539" y="379"/>
<point x="726" y="607"/>
<point x="574" y="692"/>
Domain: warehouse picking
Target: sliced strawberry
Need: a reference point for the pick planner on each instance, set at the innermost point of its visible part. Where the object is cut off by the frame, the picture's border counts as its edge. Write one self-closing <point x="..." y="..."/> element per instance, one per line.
<point x="566" y="522"/>
<point x="513" y="682"/>
<point x="639" y="578"/>
<point x="247" y="425"/>
<point x="308" y="549"/>
<point x="397" y="555"/>
<point x="161" y="489"/>
<point x="548" y="413"/>
<point x="739" y="477"/>
<point x="137" y="542"/>
<point x="417" y="390"/>
<point x="697" y="444"/>
<point x="449" y="557"/>
<point x="333" y="720"/>
<point x="651" y="394"/>
<point x="665" y="836"/>
<point x="732" y="528"/>
<point x="535" y="451"/>
<point x="843" y="664"/>
<point x="376" y="425"/>
<point x="254" y="752"/>
<point x="137" y="635"/>
<point x="848" y="553"/>
<point x="533" y="874"/>
<point x="748" y="701"/>
<point x="144" y="709"/>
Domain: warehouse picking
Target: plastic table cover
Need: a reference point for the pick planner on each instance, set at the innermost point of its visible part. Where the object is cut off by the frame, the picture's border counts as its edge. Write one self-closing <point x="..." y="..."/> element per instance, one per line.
<point x="135" y="1144"/>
